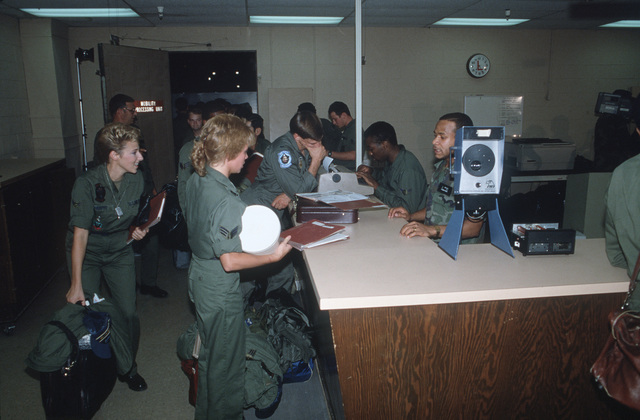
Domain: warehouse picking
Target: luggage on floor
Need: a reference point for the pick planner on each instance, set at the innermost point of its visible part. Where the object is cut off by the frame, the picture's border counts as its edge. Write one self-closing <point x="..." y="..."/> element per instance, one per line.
<point x="289" y="331"/>
<point x="80" y="386"/>
<point x="262" y="376"/>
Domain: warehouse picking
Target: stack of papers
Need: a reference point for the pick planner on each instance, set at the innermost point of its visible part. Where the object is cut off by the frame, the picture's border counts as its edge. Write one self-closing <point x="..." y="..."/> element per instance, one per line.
<point x="344" y="200"/>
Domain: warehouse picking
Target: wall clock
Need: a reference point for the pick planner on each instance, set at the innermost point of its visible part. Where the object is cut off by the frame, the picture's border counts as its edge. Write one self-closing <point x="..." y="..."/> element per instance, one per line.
<point x="478" y="65"/>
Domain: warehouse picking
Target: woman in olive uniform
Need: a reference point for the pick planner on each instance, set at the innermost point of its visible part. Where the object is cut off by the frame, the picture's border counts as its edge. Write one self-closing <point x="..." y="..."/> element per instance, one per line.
<point x="213" y="213"/>
<point x="104" y="202"/>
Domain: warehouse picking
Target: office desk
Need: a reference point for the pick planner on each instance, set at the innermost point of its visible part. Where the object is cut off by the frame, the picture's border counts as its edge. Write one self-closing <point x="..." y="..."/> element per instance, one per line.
<point x="416" y="334"/>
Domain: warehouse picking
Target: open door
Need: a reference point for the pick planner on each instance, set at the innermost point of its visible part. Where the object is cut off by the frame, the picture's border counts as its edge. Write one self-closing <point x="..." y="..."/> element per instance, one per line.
<point x="143" y="74"/>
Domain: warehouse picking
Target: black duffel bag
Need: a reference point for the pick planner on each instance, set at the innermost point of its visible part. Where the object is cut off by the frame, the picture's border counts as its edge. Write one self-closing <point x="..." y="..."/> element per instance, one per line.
<point x="78" y="389"/>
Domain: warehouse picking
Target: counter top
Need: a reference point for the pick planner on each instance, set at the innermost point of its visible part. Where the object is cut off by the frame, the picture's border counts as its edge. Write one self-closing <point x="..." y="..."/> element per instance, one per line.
<point x="12" y="170"/>
<point x="377" y="267"/>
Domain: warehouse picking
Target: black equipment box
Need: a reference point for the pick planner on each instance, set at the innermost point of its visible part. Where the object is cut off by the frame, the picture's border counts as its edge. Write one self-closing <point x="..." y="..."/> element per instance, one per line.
<point x="546" y="242"/>
<point x="309" y="210"/>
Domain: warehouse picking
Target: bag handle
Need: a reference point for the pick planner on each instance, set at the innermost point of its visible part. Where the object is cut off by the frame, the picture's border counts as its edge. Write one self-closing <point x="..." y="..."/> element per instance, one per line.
<point x="632" y="284"/>
<point x="75" y="347"/>
<point x="618" y="318"/>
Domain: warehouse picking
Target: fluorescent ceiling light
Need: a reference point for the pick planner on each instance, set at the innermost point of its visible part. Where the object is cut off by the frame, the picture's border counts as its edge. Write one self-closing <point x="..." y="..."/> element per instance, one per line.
<point x="623" y="24"/>
<point x="479" y="22"/>
<point x="296" y="20"/>
<point x="86" y="12"/>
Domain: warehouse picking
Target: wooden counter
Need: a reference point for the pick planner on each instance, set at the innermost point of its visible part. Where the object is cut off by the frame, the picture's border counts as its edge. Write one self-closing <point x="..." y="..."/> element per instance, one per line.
<point x="404" y="331"/>
<point x="34" y="212"/>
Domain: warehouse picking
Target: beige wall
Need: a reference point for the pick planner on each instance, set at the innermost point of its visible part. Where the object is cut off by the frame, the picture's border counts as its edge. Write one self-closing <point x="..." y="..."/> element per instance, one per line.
<point x="49" y="86"/>
<point x="15" y="125"/>
<point x="412" y="76"/>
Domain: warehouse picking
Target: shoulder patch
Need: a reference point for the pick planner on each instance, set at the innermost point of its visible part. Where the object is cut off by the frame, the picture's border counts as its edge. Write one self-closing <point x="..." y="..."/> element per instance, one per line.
<point x="284" y="159"/>
<point x="229" y="234"/>
<point x="234" y="232"/>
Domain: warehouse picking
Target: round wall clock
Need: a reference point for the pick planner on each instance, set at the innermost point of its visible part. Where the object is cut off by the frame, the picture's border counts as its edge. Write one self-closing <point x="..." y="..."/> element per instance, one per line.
<point x="478" y="65"/>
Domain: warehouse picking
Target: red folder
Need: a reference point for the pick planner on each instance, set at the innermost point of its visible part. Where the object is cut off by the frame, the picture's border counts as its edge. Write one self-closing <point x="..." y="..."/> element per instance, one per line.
<point x="156" y="205"/>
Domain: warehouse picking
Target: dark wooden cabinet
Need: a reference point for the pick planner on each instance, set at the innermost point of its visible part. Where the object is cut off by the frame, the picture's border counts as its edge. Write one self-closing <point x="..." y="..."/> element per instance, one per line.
<point x="34" y="212"/>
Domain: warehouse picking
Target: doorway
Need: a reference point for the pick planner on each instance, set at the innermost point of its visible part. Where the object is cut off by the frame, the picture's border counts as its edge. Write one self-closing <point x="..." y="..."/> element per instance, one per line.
<point x="198" y="79"/>
<point x="205" y="76"/>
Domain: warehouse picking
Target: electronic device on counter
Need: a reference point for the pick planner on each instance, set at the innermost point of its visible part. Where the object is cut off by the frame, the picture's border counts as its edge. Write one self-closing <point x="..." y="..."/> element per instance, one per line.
<point x="340" y="178"/>
<point x="544" y="241"/>
<point x="477" y="171"/>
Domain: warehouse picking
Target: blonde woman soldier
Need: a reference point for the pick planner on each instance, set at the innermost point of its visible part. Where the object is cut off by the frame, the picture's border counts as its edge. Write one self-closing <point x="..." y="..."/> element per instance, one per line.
<point x="104" y="202"/>
<point x="213" y="214"/>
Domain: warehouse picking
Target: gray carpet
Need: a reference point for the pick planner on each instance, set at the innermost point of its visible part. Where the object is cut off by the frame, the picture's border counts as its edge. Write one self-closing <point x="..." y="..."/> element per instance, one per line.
<point x="162" y="321"/>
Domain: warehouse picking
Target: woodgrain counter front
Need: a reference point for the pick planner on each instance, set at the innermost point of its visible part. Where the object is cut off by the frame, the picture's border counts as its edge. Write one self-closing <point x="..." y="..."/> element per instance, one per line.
<point x="34" y="213"/>
<point x="416" y="334"/>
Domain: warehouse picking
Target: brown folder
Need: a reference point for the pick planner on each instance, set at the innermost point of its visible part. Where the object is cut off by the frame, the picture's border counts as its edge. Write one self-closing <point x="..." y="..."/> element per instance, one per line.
<point x="314" y="233"/>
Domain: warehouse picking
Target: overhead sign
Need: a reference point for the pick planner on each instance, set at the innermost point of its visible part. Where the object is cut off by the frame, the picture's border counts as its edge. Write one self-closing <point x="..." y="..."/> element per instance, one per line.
<point x="149" y="106"/>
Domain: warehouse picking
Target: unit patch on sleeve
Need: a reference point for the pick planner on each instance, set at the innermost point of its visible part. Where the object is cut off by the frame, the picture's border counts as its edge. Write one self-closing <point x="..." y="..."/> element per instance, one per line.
<point x="284" y="159"/>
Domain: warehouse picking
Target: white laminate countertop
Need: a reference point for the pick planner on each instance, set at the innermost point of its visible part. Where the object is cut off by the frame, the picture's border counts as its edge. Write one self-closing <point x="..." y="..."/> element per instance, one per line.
<point x="377" y="267"/>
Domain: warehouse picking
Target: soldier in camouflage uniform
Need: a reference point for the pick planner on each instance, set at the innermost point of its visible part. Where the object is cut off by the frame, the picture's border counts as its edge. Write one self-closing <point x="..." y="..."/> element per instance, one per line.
<point x="432" y="221"/>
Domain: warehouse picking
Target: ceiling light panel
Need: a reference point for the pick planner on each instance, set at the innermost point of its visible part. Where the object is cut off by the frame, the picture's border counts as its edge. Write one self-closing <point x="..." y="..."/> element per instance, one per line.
<point x="80" y="13"/>
<point x="623" y="24"/>
<point x="477" y="22"/>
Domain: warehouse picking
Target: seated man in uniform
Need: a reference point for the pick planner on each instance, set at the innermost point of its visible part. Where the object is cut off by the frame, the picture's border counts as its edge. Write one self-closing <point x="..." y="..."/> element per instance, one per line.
<point x="432" y="220"/>
<point x="401" y="182"/>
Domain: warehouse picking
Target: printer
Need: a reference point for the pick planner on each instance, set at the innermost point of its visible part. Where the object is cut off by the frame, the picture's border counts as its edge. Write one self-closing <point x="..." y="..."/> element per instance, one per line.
<point x="539" y="154"/>
<point x="340" y="178"/>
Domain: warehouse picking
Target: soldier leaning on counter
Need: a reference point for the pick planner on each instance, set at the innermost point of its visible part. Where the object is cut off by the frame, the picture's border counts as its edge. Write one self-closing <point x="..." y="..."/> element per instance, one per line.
<point x="622" y="217"/>
<point x="289" y="166"/>
<point x="432" y="220"/>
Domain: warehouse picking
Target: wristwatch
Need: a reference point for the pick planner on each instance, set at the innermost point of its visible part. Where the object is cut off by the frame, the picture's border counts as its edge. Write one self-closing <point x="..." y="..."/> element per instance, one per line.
<point x="329" y="153"/>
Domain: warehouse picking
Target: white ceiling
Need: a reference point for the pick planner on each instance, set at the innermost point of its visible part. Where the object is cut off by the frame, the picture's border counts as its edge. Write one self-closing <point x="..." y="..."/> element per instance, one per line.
<point x="544" y="14"/>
